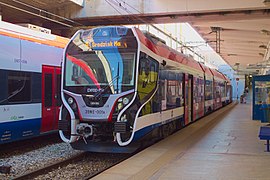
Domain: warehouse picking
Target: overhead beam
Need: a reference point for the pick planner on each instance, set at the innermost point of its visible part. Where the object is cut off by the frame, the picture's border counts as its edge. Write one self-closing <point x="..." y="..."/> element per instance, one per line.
<point x="78" y="2"/>
<point x="98" y="8"/>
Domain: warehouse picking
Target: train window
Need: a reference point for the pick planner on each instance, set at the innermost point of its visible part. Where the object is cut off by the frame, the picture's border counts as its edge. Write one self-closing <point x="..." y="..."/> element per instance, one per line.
<point x="48" y="90"/>
<point x="217" y="91"/>
<point x="148" y="73"/>
<point x="222" y="89"/>
<point x="174" y="94"/>
<point x="208" y="90"/>
<point x="153" y="74"/>
<point x="19" y="86"/>
<point x="162" y="94"/>
<point x="141" y="67"/>
<point x="3" y="87"/>
<point x="162" y="89"/>
<point x="36" y="87"/>
<point x="170" y="103"/>
<point x="198" y="90"/>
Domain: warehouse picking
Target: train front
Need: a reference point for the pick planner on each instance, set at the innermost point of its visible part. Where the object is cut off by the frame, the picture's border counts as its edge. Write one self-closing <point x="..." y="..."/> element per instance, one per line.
<point x="98" y="88"/>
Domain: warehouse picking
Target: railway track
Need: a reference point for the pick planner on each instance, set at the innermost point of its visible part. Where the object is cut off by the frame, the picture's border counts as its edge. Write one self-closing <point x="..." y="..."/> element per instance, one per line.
<point x="88" y="164"/>
<point x="20" y="147"/>
<point x="50" y="167"/>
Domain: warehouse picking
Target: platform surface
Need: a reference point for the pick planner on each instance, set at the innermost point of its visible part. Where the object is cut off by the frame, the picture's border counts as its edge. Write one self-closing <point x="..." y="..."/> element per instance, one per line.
<point x="222" y="146"/>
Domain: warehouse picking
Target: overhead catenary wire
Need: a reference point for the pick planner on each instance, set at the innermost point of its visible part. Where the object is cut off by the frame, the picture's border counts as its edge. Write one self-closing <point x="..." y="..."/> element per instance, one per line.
<point x="46" y="12"/>
<point x="117" y="3"/>
<point x="179" y="42"/>
<point x="37" y="15"/>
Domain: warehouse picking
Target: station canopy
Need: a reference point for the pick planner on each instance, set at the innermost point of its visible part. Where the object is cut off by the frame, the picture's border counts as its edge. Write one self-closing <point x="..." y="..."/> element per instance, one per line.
<point x="238" y="30"/>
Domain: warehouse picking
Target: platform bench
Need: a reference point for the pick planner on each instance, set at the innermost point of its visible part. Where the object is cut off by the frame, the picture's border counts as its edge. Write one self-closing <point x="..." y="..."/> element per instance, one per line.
<point x="265" y="135"/>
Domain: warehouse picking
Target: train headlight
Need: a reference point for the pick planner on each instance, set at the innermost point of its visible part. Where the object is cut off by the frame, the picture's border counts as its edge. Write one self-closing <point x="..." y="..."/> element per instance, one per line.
<point x="74" y="106"/>
<point x="120" y="106"/>
<point x="123" y="118"/>
<point x="70" y="100"/>
<point x="125" y="101"/>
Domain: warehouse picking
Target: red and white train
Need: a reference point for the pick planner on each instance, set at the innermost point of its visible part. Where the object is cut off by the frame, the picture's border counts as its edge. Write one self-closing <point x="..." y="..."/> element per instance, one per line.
<point x="122" y="87"/>
<point x="30" y="82"/>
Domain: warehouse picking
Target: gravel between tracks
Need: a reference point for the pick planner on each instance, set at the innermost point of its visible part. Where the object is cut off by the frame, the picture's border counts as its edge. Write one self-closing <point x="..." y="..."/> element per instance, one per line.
<point x="36" y="159"/>
<point x="91" y="164"/>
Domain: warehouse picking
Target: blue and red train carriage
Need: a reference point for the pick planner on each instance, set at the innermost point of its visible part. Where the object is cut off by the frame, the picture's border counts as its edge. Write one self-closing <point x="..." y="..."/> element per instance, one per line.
<point x="30" y="82"/>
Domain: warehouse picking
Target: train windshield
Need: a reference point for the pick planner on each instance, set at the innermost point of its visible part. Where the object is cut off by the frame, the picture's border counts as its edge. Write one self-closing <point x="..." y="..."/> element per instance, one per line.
<point x="103" y="66"/>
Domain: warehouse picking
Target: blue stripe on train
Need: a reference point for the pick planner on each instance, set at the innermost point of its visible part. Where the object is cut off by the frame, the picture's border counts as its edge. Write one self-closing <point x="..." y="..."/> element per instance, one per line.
<point x="142" y="132"/>
<point x="18" y="130"/>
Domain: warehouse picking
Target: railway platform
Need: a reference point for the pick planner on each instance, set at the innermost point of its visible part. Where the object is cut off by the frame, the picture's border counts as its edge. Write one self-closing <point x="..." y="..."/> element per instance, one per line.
<point x="223" y="145"/>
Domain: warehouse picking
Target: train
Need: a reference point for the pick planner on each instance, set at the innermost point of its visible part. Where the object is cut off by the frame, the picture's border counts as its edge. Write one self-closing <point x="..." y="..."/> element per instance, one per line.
<point x="30" y="70"/>
<point x="122" y="88"/>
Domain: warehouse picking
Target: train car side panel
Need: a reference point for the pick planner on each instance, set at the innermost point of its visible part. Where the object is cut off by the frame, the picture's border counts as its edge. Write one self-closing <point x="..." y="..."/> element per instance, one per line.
<point x="9" y="53"/>
<point x="19" y="122"/>
<point x="22" y="53"/>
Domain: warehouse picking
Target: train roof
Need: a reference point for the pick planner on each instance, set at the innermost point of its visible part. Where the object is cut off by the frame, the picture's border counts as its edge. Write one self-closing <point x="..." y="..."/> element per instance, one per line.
<point x="19" y="32"/>
<point x="218" y="74"/>
<point x="164" y="51"/>
<point x="206" y="70"/>
<point x="226" y="78"/>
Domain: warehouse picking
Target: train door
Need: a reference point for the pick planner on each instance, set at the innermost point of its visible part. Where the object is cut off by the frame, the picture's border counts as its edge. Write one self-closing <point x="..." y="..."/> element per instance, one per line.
<point x="188" y="98"/>
<point x="51" y="102"/>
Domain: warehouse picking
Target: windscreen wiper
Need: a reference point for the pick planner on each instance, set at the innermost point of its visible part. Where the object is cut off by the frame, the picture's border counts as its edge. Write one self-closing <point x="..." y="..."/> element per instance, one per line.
<point x="106" y="87"/>
<point x="110" y="83"/>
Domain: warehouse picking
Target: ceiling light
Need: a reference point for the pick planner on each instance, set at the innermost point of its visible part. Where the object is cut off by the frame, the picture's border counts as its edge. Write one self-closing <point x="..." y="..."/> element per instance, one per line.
<point x="215" y="29"/>
<point x="266" y="2"/>
<point x="266" y="32"/>
<point x="232" y="54"/>
<point x="261" y="54"/>
<point x="263" y="46"/>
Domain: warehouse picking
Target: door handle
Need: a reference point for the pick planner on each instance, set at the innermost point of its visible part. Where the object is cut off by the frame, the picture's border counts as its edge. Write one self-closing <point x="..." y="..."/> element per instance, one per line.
<point x="48" y="109"/>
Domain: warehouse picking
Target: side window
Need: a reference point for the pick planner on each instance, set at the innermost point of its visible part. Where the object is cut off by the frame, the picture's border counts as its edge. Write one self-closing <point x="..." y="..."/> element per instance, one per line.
<point x="142" y="67"/>
<point x="171" y="92"/>
<point x="148" y="73"/>
<point x="3" y="87"/>
<point x="208" y="90"/>
<point x="147" y="83"/>
<point x="162" y="90"/>
<point x="174" y="90"/>
<point x="152" y="73"/>
<point x="19" y="86"/>
<point x="217" y="90"/>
